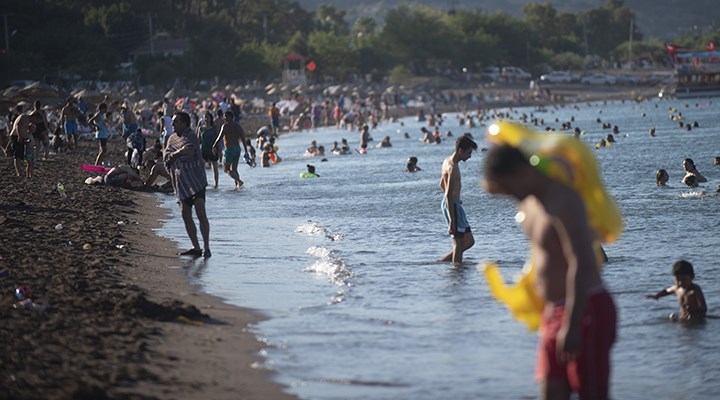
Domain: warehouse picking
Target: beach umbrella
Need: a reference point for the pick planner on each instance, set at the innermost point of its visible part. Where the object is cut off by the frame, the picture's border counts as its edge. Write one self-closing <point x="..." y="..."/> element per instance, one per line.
<point x="91" y="95"/>
<point x="11" y="91"/>
<point x="289" y="105"/>
<point x="39" y="90"/>
<point x="271" y="92"/>
<point x="170" y="94"/>
<point x="270" y="86"/>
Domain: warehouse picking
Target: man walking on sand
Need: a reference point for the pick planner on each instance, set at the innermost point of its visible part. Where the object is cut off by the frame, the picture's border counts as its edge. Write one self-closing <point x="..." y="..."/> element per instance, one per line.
<point x="184" y="162"/>
<point x="451" y="205"/>
<point x="579" y="323"/>
<point x="233" y="136"/>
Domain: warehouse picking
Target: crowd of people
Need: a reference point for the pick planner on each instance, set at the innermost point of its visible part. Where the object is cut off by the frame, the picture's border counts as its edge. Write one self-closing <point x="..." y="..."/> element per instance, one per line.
<point x="553" y="216"/>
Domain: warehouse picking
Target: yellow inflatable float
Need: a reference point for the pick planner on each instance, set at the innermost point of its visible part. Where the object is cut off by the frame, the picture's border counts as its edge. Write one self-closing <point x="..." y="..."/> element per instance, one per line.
<point x="568" y="160"/>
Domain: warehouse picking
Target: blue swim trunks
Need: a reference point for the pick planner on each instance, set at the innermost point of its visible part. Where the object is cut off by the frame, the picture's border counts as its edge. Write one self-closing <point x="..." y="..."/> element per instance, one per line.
<point x="463" y="226"/>
<point x="231" y="155"/>
<point x="71" y="128"/>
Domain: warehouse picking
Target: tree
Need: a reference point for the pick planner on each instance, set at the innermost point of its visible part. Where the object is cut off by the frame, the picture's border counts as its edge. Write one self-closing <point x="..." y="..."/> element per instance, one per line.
<point x="418" y="36"/>
<point x="329" y="19"/>
<point x="608" y="26"/>
<point x="333" y="54"/>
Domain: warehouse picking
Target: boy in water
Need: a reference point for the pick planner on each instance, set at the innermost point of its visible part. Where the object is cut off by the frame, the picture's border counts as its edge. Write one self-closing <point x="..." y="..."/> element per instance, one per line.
<point x="690" y="296"/>
<point x="458" y="225"/>
<point x="578" y="327"/>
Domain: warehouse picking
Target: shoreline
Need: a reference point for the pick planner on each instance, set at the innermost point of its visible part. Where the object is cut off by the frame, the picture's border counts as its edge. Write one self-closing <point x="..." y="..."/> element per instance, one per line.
<point x="114" y="317"/>
<point x="201" y="354"/>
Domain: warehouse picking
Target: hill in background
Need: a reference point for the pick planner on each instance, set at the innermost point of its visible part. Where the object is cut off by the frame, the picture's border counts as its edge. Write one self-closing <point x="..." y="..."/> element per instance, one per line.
<point x="662" y="19"/>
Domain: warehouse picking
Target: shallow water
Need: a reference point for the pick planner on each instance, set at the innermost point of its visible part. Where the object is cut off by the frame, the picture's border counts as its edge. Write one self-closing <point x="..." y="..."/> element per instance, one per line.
<point x="345" y="264"/>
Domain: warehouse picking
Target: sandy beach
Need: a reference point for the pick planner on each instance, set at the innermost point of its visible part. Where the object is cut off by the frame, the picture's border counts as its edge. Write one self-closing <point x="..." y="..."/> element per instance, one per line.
<point x="114" y="317"/>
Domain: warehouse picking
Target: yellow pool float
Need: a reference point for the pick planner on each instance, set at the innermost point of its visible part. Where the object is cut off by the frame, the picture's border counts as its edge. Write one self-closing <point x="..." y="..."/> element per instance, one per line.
<point x="571" y="162"/>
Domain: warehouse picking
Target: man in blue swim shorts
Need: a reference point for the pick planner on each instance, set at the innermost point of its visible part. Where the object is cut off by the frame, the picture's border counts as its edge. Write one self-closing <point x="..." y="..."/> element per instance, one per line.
<point x="233" y="136"/>
<point x="458" y="225"/>
<point x="69" y="115"/>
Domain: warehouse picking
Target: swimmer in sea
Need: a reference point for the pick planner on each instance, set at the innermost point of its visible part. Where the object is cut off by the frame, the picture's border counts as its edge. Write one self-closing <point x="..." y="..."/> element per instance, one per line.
<point x="661" y="177"/>
<point x="412" y="165"/>
<point x="691" y="170"/>
<point x="689" y="295"/>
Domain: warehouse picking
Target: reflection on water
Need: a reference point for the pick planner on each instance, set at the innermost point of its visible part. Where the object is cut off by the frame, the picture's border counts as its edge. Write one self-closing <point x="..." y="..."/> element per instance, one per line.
<point x="346" y="264"/>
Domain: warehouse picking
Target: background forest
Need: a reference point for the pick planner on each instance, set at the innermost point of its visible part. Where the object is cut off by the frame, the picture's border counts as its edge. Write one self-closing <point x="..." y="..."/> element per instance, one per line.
<point x="55" y="40"/>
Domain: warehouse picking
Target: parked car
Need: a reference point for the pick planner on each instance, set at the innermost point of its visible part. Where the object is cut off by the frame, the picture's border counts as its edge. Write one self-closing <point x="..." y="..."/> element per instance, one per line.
<point x="598" y="79"/>
<point x="627" y="79"/>
<point x="557" y="77"/>
<point x="491" y="74"/>
<point x="515" y="74"/>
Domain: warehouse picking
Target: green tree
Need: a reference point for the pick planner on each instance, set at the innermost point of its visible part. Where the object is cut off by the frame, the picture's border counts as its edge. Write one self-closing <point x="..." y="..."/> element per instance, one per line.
<point x="329" y="19"/>
<point x="418" y="36"/>
<point x="608" y="26"/>
<point x="333" y="54"/>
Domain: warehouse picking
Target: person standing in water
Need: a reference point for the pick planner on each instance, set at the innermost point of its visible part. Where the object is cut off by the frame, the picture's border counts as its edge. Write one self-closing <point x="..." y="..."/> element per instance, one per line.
<point x="233" y="136"/>
<point x="451" y="205"/>
<point x="579" y="323"/>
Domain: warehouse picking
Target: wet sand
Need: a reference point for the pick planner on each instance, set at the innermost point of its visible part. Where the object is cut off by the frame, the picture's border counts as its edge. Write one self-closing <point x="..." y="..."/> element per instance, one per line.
<point x="121" y="320"/>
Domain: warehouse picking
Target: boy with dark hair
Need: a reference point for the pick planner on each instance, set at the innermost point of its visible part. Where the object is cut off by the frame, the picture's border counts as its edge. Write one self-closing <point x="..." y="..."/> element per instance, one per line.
<point x="458" y="225"/>
<point x="579" y="321"/>
<point x="690" y="296"/>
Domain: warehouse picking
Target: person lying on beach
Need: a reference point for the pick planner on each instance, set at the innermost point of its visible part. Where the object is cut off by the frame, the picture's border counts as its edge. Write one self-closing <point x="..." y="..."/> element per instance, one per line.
<point x="689" y="295"/>
<point x="661" y="177"/>
<point x="123" y="176"/>
<point x="691" y="170"/>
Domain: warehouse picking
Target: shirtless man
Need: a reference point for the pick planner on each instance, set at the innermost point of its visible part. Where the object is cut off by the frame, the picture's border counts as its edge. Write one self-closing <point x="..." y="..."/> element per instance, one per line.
<point x="233" y="136"/>
<point x="69" y="118"/>
<point x="579" y="322"/>
<point x="42" y="127"/>
<point x="20" y="137"/>
<point x="451" y="205"/>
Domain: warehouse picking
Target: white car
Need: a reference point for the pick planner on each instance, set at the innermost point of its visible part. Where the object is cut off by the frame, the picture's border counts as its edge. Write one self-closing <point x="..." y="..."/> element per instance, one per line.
<point x="491" y="74"/>
<point x="557" y="77"/>
<point x="627" y="79"/>
<point x="515" y="74"/>
<point x="598" y="79"/>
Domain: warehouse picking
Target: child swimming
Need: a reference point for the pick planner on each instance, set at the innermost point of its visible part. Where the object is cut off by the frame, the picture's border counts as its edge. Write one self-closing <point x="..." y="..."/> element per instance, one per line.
<point x="690" y="296"/>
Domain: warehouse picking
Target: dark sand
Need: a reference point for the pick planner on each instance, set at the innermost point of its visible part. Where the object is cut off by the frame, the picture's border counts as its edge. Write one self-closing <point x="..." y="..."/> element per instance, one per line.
<point x="119" y="322"/>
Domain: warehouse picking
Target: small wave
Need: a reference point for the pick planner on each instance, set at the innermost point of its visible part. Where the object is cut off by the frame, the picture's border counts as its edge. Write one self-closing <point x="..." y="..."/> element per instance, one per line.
<point x="329" y="265"/>
<point x="693" y="195"/>
<point x="311" y="228"/>
<point x="314" y="229"/>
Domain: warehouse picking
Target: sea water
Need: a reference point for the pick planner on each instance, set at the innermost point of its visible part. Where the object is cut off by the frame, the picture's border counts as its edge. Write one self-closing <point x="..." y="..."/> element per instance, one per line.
<point x="345" y="265"/>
